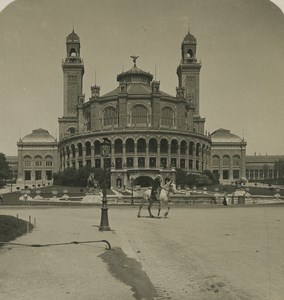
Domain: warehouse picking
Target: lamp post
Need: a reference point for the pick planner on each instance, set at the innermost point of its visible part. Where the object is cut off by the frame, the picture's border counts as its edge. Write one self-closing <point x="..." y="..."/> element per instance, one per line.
<point x="105" y="151"/>
<point x="132" y="185"/>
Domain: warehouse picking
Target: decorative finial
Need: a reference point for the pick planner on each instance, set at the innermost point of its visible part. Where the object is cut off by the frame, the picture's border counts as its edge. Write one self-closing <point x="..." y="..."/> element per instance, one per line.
<point x="155" y="72"/>
<point x="73" y="25"/>
<point x="134" y="59"/>
<point x="95" y="77"/>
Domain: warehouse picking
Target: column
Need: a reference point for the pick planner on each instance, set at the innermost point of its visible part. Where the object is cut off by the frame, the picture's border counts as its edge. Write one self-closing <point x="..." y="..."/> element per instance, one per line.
<point x="76" y="158"/>
<point x="135" y="162"/>
<point x="194" y="158"/>
<point x="231" y="169"/>
<point x="158" y="155"/>
<point x="92" y="155"/>
<point x="84" y="155"/>
<point x="147" y="155"/>
<point x="123" y="153"/>
<point x="112" y="154"/>
<point x="221" y="168"/>
<point x="169" y="155"/>
<point x="178" y="156"/>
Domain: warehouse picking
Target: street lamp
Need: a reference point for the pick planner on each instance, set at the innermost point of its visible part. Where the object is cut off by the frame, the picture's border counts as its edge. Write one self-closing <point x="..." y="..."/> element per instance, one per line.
<point x="132" y="185"/>
<point x="105" y="151"/>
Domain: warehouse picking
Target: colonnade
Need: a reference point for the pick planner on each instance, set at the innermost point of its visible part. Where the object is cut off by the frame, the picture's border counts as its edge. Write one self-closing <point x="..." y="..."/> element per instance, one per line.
<point x="138" y="153"/>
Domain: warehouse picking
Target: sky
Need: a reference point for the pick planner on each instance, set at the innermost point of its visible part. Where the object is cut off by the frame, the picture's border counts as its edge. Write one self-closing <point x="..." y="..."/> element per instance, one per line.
<point x="240" y="44"/>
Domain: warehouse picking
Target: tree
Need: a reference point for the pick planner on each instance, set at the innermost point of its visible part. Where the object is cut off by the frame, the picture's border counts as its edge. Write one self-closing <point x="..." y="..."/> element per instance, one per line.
<point x="4" y="169"/>
<point x="205" y="178"/>
<point x="74" y="177"/>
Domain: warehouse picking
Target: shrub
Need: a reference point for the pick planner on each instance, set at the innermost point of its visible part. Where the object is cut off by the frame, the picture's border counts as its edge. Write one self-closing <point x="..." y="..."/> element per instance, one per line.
<point x="73" y="177"/>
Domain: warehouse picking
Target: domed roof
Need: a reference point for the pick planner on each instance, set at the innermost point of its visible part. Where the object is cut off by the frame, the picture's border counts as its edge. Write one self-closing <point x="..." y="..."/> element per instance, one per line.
<point x="39" y="136"/>
<point x="189" y="38"/>
<point x="131" y="75"/>
<point x="73" y="37"/>
<point x="224" y="136"/>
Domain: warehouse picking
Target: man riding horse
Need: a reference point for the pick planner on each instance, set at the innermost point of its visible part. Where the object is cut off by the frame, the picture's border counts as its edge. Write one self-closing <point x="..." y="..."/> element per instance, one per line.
<point x="156" y="187"/>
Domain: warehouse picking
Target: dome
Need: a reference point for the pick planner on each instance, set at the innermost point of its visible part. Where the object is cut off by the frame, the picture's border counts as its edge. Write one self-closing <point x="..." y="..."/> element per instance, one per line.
<point x="72" y="37"/>
<point x="189" y="38"/>
<point x="135" y="75"/>
<point x="224" y="136"/>
<point x="39" y="136"/>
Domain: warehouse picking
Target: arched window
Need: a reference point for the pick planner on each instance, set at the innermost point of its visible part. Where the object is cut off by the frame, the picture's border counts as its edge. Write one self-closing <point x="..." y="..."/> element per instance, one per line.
<point x="215" y="161"/>
<point x="164" y="146"/>
<point x="118" y="146"/>
<point x="183" y="148"/>
<point x="203" y="150"/>
<point x="73" y="150"/>
<point x="139" y="115"/>
<point x="141" y="146"/>
<point x="68" y="152"/>
<point x="153" y="146"/>
<point x="109" y="116"/>
<point x="88" y="148"/>
<point x="73" y="53"/>
<point x="198" y="149"/>
<point x="226" y="161"/>
<point x="167" y="117"/>
<point x="48" y="161"/>
<point x="38" y="161"/>
<point x="71" y="130"/>
<point x="190" y="149"/>
<point x="97" y="147"/>
<point x="80" y="150"/>
<point x="130" y="146"/>
<point x="174" y="146"/>
<point x="189" y="53"/>
<point x="236" y="161"/>
<point x="27" y="161"/>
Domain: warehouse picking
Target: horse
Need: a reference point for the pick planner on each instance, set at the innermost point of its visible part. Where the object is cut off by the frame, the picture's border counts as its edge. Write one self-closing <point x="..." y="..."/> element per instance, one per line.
<point x="168" y="188"/>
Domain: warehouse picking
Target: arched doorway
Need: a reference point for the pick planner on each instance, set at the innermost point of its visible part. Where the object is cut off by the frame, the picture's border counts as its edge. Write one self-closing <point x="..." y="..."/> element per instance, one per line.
<point x="143" y="181"/>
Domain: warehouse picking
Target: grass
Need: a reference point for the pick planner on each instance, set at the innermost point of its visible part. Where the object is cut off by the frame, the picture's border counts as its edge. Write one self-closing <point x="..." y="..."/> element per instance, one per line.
<point x="11" y="228"/>
<point x="78" y="192"/>
<point x="253" y="190"/>
<point x="12" y="198"/>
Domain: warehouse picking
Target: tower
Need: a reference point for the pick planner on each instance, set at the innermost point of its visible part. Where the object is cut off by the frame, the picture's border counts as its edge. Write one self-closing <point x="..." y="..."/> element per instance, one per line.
<point x="73" y="71"/>
<point x="188" y="72"/>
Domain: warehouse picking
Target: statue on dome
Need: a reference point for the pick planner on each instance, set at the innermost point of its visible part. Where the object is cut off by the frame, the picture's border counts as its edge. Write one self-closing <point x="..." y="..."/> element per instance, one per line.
<point x="134" y="57"/>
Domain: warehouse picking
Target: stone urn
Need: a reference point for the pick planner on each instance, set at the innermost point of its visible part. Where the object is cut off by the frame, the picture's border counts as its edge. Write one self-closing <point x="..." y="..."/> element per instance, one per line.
<point x="65" y="196"/>
<point x="54" y="193"/>
<point x="38" y="197"/>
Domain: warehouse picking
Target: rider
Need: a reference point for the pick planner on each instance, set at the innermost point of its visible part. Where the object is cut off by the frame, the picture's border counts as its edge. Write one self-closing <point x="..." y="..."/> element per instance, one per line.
<point x="156" y="187"/>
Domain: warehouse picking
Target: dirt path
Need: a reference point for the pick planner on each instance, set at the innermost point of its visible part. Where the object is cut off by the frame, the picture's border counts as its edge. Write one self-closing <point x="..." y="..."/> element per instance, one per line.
<point x="197" y="253"/>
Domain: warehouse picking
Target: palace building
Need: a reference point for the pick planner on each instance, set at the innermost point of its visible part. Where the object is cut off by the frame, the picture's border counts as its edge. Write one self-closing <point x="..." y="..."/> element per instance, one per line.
<point x="228" y="154"/>
<point x="150" y="131"/>
<point x="37" y="158"/>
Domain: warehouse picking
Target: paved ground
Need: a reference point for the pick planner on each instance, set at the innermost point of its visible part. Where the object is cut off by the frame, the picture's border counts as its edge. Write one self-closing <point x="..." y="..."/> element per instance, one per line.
<point x="197" y="253"/>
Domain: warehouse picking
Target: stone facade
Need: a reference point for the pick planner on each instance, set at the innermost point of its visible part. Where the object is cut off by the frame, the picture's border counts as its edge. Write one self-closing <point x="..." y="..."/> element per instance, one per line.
<point x="37" y="158"/>
<point x="150" y="131"/>
<point x="259" y="167"/>
<point x="228" y="155"/>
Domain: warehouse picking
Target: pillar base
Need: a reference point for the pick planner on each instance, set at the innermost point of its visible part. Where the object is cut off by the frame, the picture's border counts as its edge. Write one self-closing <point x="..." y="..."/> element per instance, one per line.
<point x="104" y="226"/>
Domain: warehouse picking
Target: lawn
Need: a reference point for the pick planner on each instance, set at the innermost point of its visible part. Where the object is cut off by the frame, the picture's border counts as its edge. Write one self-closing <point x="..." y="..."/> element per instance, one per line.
<point x="11" y="228"/>
<point x="12" y="198"/>
<point x="253" y="190"/>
